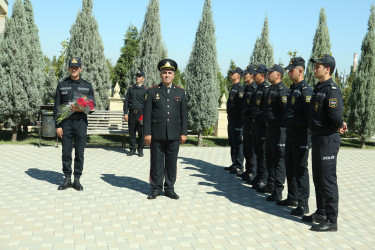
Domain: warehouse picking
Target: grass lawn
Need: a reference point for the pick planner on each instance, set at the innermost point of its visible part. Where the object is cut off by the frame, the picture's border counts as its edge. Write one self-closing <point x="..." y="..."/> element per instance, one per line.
<point x="116" y="140"/>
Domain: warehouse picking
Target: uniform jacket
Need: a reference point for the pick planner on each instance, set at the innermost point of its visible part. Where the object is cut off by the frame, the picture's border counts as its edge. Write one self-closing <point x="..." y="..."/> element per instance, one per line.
<point x="257" y="102"/>
<point x="234" y="103"/>
<point x="299" y="96"/>
<point x="275" y="104"/>
<point x="68" y="91"/>
<point x="135" y="98"/>
<point x="249" y="93"/>
<point x="326" y="107"/>
<point x="165" y="115"/>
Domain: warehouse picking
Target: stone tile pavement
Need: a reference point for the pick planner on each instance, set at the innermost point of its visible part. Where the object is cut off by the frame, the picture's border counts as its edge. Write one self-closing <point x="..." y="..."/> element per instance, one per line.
<point x="216" y="209"/>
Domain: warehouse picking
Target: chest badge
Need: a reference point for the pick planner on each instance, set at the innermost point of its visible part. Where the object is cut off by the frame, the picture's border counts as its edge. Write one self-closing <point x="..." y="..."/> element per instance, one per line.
<point x="241" y="94"/>
<point x="248" y="101"/>
<point x="157" y="96"/>
<point x="308" y="98"/>
<point x="293" y="101"/>
<point x="316" y="106"/>
<point x="258" y="101"/>
<point x="231" y="98"/>
<point x="269" y="101"/>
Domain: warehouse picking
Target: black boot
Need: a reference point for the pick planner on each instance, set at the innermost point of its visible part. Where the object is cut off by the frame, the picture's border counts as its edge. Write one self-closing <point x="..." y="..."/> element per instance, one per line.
<point x="67" y="184"/>
<point x="140" y="152"/>
<point x="76" y="185"/>
<point x="132" y="152"/>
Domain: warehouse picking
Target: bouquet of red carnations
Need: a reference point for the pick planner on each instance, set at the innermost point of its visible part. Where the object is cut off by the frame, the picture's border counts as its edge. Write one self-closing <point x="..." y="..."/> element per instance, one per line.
<point x="82" y="101"/>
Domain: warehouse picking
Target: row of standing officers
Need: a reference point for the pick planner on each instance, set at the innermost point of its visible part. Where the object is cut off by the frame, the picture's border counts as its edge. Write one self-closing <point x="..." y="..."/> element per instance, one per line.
<point x="273" y="128"/>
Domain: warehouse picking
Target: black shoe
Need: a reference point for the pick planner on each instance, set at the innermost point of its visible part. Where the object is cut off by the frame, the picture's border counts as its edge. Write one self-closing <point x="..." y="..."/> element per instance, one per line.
<point x="171" y="194"/>
<point x="67" y="184"/>
<point x="287" y="202"/>
<point x="317" y="218"/>
<point x="229" y="168"/>
<point x="267" y="189"/>
<point x="259" y="185"/>
<point x="140" y="153"/>
<point x="77" y="186"/>
<point x="274" y="197"/>
<point x="132" y="152"/>
<point x="253" y="179"/>
<point x="243" y="175"/>
<point x="299" y="211"/>
<point x="235" y="170"/>
<point x="325" y="226"/>
<point x="153" y="194"/>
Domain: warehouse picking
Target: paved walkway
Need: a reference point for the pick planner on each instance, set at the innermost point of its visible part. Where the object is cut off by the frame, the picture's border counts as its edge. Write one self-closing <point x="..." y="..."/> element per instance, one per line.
<point x="216" y="210"/>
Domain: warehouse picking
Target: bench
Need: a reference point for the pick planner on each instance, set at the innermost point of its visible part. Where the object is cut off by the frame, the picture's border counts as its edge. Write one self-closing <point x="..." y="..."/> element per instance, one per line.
<point x="107" y="122"/>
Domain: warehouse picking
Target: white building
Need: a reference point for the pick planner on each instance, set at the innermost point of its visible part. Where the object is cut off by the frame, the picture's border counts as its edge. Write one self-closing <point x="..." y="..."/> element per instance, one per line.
<point x="3" y="13"/>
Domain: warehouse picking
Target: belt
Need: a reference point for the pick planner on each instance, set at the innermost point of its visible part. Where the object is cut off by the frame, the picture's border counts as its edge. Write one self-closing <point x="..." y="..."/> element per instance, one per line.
<point x="324" y="131"/>
<point x="135" y="111"/>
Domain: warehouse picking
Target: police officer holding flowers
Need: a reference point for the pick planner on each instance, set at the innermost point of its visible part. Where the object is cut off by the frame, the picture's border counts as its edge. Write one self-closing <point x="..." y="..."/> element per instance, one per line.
<point x="74" y="126"/>
<point x="165" y="128"/>
<point x="133" y="112"/>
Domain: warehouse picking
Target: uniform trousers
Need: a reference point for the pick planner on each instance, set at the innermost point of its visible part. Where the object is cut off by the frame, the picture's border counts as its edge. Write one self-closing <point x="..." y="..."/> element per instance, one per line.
<point x="275" y="161"/>
<point x="324" y="161"/>
<point x="163" y="164"/>
<point x="136" y="126"/>
<point x="235" y="140"/>
<point x="258" y="132"/>
<point x="74" y="132"/>
<point x="248" y="147"/>
<point x="297" y="146"/>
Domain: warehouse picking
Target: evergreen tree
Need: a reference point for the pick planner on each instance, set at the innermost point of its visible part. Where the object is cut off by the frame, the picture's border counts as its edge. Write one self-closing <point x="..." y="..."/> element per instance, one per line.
<point x="223" y="86"/>
<point x="178" y="80"/>
<point x="150" y="46"/>
<point x="321" y="45"/>
<point x="17" y="101"/>
<point x="125" y="62"/>
<point x="85" y="42"/>
<point x="50" y="83"/>
<point x="362" y="98"/>
<point x="263" y="51"/>
<point x="202" y="86"/>
<point x="57" y="63"/>
<point x="35" y="61"/>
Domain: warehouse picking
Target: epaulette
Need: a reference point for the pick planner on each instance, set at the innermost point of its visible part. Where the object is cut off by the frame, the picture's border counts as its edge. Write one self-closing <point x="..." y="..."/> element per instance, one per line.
<point x="178" y="87"/>
<point x="266" y="86"/>
<point x="281" y="87"/>
<point x="333" y="86"/>
<point x="153" y="86"/>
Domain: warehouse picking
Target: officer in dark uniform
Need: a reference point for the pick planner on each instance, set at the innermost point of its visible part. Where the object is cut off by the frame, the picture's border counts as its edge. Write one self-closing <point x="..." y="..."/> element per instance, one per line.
<point x="248" y="148"/>
<point x="234" y="112"/>
<point x="165" y="128"/>
<point x="133" y="111"/>
<point x="298" y="139"/>
<point x="274" y="108"/>
<point x="325" y="122"/>
<point x="258" y="127"/>
<point x="73" y="128"/>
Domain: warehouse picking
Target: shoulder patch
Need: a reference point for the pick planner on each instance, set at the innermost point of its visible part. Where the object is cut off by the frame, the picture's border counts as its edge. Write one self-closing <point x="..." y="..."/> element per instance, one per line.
<point x="146" y="96"/>
<point x="308" y="98"/>
<point x="332" y="102"/>
<point x="284" y="99"/>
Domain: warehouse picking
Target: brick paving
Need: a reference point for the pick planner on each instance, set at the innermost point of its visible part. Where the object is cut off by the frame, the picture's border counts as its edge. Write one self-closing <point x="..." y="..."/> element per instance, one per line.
<point x="216" y="209"/>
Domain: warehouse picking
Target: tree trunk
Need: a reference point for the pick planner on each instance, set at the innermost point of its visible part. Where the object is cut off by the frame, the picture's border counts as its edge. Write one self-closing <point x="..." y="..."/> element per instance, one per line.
<point x="363" y="141"/>
<point x="14" y="133"/>
<point x="200" y="139"/>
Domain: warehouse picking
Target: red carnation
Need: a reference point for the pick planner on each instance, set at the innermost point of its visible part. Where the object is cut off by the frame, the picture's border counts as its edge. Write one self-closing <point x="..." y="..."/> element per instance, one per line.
<point x="91" y="104"/>
<point x="140" y="118"/>
<point x="82" y="102"/>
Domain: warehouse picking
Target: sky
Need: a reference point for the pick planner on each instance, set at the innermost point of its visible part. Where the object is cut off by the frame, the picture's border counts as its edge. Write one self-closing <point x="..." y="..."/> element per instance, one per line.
<point x="292" y="25"/>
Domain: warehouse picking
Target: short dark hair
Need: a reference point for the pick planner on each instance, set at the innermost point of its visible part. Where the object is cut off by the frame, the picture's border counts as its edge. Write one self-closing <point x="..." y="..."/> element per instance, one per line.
<point x="331" y="70"/>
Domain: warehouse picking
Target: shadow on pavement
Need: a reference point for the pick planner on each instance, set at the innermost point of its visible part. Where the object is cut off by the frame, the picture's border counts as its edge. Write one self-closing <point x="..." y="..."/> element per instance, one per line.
<point x="46" y="175"/>
<point x="127" y="182"/>
<point x="234" y="189"/>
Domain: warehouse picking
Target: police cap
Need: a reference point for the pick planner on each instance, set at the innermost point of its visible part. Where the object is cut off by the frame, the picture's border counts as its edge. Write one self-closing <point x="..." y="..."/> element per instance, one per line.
<point x="277" y="68"/>
<point x="167" y="64"/>
<point x="140" y="73"/>
<point x="75" y="61"/>
<point x="236" y="70"/>
<point x="249" y="69"/>
<point x="294" y="62"/>
<point x="261" y="68"/>
<point x="326" y="60"/>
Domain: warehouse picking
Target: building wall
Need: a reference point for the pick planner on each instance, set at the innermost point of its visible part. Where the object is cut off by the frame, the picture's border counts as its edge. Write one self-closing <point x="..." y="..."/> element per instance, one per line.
<point x="3" y="13"/>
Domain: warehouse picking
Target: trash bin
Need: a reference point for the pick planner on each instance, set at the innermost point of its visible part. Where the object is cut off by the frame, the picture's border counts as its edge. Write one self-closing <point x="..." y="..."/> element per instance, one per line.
<point x="48" y="124"/>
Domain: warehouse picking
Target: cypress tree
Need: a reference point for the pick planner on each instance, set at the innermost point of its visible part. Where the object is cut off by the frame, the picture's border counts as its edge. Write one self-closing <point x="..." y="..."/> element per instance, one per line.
<point x="125" y="62"/>
<point x="321" y="45"/>
<point x="202" y="86"/>
<point x="18" y="95"/>
<point x="263" y="50"/>
<point x="85" y="42"/>
<point x="150" y="46"/>
<point x="50" y="82"/>
<point x="362" y="98"/>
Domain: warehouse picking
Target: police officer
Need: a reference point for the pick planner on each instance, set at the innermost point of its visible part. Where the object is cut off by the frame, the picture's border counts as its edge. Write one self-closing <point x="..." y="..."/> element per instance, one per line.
<point x="133" y="111"/>
<point x="165" y="128"/>
<point x="73" y="128"/>
<point x="298" y="139"/>
<point x="325" y="121"/>
<point x="258" y="127"/>
<point x="234" y="112"/>
<point x="274" y="108"/>
<point x="248" y="148"/>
